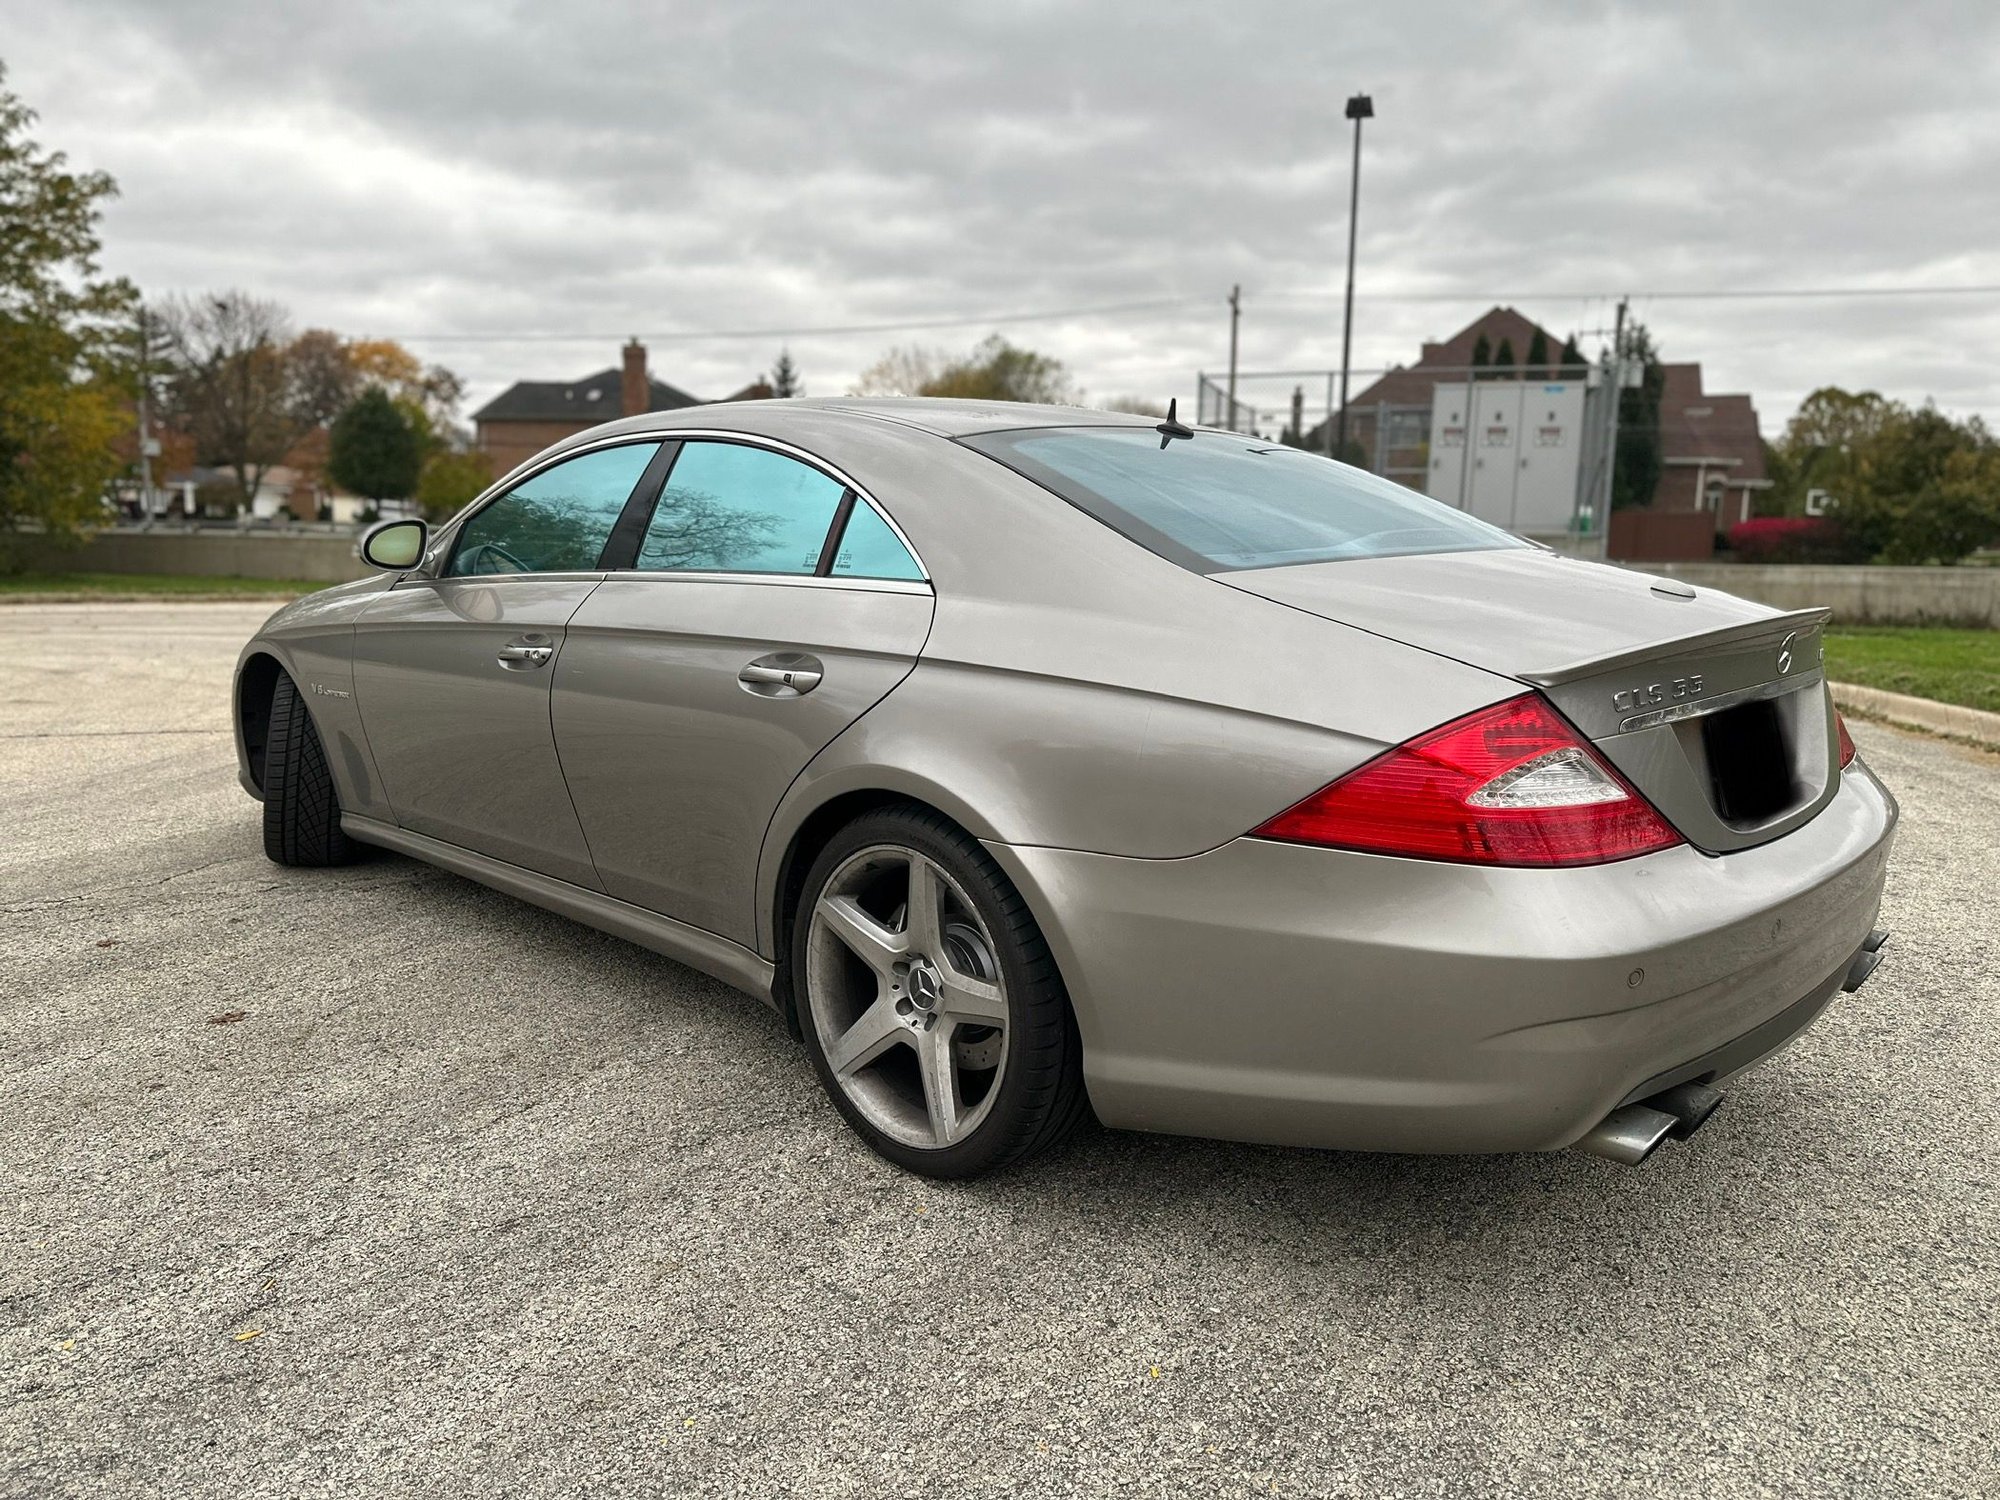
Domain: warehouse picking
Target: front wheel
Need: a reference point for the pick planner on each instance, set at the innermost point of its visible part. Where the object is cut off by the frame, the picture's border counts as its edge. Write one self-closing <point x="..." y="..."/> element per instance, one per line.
<point x="933" y="1011"/>
<point x="301" y="806"/>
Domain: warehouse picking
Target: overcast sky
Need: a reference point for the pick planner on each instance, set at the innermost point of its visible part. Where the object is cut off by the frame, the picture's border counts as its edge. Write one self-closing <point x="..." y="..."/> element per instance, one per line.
<point x="587" y="170"/>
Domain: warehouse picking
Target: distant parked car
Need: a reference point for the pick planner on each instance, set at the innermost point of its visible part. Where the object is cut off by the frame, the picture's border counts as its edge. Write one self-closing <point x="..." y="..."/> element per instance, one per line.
<point x="1033" y="759"/>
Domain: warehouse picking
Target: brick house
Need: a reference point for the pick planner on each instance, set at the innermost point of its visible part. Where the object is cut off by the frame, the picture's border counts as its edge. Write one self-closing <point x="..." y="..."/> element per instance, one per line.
<point x="531" y="414"/>
<point x="1390" y="419"/>
<point x="1711" y="452"/>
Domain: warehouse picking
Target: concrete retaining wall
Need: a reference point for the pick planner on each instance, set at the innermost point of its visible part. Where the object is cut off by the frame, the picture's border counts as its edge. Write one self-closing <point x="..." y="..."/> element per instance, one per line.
<point x="322" y="557"/>
<point x="1857" y="596"/>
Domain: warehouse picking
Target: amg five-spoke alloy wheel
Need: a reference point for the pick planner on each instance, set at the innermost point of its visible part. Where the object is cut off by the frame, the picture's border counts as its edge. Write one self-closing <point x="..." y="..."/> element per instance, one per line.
<point x="930" y="1004"/>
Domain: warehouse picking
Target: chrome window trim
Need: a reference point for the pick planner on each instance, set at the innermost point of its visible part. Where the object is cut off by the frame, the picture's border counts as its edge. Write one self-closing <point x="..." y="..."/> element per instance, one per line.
<point x="568" y="575"/>
<point x="811" y="461"/>
<point x="781" y="580"/>
<point x="445" y="541"/>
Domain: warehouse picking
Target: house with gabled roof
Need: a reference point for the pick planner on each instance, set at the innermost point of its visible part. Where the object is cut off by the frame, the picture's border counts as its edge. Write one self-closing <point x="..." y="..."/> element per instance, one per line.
<point x="531" y="414"/>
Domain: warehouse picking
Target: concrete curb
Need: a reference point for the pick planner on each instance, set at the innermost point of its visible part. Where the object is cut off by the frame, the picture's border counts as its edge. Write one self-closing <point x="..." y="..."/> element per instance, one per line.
<point x="1974" y="725"/>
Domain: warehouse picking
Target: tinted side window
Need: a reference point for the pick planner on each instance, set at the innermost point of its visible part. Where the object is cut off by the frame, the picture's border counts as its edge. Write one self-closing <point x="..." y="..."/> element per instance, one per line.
<point x="869" y="549"/>
<point x="728" y="508"/>
<point x="555" y="522"/>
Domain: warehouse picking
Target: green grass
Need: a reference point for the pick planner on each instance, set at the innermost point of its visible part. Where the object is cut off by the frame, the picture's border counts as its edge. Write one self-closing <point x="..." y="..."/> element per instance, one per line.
<point x="24" y="586"/>
<point x="1951" y="666"/>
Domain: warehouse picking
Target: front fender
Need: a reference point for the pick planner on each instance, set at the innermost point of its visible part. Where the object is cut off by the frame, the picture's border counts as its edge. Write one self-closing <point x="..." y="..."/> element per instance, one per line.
<point x="311" y="640"/>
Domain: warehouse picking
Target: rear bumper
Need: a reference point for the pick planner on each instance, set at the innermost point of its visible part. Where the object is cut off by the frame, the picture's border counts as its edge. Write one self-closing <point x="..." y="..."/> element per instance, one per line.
<point x="1269" y="992"/>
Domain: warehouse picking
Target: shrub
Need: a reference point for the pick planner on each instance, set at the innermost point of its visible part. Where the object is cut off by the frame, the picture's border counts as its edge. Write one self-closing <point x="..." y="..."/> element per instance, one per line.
<point x="1788" y="539"/>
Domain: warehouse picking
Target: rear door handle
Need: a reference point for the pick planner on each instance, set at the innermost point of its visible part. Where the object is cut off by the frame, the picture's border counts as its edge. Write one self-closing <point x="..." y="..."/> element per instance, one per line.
<point x="526" y="653"/>
<point x="783" y="674"/>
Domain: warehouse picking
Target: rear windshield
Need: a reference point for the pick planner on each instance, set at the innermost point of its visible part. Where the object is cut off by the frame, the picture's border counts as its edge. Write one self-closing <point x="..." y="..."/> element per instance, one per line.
<point x="1217" y="502"/>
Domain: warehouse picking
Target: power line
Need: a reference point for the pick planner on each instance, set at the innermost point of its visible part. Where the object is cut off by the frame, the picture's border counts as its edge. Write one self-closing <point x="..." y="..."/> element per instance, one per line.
<point x="691" y="334"/>
<point x="1164" y="304"/>
<point x="1676" y="295"/>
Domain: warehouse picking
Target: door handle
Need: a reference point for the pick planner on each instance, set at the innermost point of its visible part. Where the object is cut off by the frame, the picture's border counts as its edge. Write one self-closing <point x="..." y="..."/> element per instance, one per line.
<point x="783" y="674"/>
<point x="527" y="653"/>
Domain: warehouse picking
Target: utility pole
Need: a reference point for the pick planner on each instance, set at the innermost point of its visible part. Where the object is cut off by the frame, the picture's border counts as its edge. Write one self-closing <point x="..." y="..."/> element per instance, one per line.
<point x="146" y="444"/>
<point x="1235" y="314"/>
<point x="1299" y="415"/>
<point x="1614" y="378"/>
<point x="1360" y="107"/>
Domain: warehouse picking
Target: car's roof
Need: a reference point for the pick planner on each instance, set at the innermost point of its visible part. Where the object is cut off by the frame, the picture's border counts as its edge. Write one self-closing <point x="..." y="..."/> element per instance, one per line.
<point x="949" y="418"/>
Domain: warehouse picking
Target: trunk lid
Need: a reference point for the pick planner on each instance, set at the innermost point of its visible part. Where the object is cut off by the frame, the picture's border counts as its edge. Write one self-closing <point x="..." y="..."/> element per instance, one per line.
<point x="1714" y="707"/>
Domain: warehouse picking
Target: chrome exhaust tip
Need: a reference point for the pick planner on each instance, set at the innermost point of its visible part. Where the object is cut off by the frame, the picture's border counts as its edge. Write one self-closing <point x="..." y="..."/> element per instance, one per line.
<point x="1628" y="1135"/>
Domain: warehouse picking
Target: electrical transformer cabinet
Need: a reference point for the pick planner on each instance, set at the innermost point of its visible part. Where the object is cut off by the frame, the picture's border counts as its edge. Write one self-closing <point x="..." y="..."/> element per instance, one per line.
<point x="1525" y="438"/>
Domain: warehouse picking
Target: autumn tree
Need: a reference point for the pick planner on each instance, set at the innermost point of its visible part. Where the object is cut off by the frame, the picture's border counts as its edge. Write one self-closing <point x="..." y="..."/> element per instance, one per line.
<point x="66" y="340"/>
<point x="232" y="386"/>
<point x="995" y="370"/>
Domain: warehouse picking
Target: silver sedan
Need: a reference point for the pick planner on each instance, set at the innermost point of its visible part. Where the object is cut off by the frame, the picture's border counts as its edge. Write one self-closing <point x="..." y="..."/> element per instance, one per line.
<point x="1034" y="761"/>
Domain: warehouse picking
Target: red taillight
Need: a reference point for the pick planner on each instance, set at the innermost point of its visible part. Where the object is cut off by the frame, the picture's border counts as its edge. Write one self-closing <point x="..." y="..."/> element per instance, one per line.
<point x="1513" y="784"/>
<point x="1846" y="740"/>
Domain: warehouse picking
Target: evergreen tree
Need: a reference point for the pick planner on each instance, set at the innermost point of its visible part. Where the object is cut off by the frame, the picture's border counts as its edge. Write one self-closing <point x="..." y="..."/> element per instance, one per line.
<point x="1503" y="362"/>
<point x="785" y="377"/>
<point x="1482" y="353"/>
<point x="1538" y="357"/>
<point x="373" y="450"/>
<point x="1636" y="474"/>
<point x="1573" y="366"/>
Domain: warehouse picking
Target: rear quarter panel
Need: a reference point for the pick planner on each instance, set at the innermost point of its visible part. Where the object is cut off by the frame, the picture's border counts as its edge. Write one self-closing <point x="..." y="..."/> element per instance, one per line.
<point x="1081" y="693"/>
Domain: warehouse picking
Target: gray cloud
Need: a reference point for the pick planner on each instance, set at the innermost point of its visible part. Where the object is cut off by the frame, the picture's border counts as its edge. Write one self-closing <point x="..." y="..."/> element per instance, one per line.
<point x="597" y="170"/>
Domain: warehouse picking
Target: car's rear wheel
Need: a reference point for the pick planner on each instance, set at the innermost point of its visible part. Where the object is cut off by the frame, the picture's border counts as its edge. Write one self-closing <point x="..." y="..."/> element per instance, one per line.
<point x="301" y="806"/>
<point x="931" y="1006"/>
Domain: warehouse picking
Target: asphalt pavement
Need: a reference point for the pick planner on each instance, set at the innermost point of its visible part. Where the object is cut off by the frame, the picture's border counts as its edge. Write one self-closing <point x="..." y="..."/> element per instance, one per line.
<point x="372" y="1182"/>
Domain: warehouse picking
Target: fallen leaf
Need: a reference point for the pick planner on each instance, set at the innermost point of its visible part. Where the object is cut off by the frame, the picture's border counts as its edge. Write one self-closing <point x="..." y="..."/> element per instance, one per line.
<point x="227" y="1017"/>
<point x="107" y="942"/>
<point x="248" y="1334"/>
<point x="69" y="1343"/>
<point x="1156" y="1372"/>
<point x="688" y="1423"/>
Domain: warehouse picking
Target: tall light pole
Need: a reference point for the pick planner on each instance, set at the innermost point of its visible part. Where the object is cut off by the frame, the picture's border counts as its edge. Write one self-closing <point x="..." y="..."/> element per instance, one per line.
<point x="1360" y="107"/>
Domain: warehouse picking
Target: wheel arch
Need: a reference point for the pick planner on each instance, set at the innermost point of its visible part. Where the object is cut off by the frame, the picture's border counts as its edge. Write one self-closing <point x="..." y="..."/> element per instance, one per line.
<point x="806" y="822"/>
<point x="256" y="680"/>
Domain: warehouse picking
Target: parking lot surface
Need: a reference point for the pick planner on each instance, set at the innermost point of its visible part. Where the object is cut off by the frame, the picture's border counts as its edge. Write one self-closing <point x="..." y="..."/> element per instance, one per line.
<point x="373" y="1182"/>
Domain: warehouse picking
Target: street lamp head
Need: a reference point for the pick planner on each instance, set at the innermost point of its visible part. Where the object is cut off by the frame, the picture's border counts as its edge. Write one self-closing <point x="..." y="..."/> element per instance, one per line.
<point x="1360" y="107"/>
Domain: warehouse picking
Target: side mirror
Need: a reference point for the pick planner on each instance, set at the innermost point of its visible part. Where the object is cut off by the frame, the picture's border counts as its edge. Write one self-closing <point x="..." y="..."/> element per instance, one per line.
<point x="395" y="545"/>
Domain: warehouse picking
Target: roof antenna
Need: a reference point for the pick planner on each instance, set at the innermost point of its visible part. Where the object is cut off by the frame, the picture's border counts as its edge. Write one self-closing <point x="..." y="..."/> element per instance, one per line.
<point x="1173" y="428"/>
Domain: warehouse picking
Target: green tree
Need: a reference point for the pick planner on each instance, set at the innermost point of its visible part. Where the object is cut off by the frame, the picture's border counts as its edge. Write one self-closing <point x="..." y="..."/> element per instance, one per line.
<point x="1482" y="352"/>
<point x="1904" y="485"/>
<point x="452" y="479"/>
<point x="1636" y="474"/>
<point x="373" y="449"/>
<point x="1503" y="361"/>
<point x="785" y="381"/>
<point x="66" y="365"/>
<point x="1538" y="357"/>
<point x="1574" y="366"/>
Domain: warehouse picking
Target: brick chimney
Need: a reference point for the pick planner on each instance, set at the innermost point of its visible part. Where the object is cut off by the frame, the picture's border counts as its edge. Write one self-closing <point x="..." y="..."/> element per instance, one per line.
<point x="637" y="391"/>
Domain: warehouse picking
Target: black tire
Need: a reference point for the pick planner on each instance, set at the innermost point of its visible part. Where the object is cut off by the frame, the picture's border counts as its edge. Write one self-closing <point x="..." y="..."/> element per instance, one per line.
<point x="301" y="807"/>
<point x="1040" y="1099"/>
